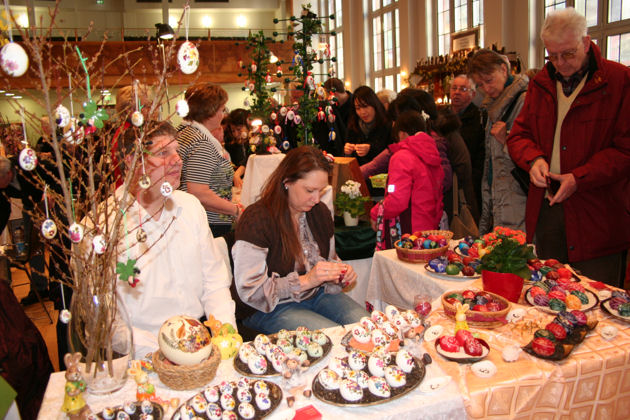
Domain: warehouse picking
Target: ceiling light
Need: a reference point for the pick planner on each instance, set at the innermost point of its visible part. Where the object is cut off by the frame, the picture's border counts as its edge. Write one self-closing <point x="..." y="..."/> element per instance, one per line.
<point x="22" y="20"/>
<point x="9" y="94"/>
<point x="206" y="21"/>
<point x="164" y="31"/>
<point x="241" y="21"/>
<point x="17" y="97"/>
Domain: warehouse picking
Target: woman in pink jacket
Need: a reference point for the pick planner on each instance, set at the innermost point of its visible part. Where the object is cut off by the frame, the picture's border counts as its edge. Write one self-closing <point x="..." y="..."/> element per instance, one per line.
<point x="414" y="183"/>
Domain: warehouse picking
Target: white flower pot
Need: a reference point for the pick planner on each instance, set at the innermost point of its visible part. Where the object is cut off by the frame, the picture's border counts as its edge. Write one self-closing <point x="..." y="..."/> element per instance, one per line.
<point x="348" y="220"/>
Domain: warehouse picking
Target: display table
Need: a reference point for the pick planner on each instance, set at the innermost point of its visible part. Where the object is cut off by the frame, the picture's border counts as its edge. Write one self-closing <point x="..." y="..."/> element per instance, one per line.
<point x="592" y="383"/>
<point x="395" y="282"/>
<point x="443" y="404"/>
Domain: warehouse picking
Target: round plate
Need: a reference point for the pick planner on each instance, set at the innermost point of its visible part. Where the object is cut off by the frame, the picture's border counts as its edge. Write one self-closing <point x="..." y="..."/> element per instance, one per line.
<point x="593" y="300"/>
<point x="452" y="277"/>
<point x="157" y="413"/>
<point x="345" y="340"/>
<point x="484" y="369"/>
<point x="605" y="305"/>
<point x="275" y="395"/>
<point x="243" y="369"/>
<point x="461" y="356"/>
<point x="434" y="384"/>
<point x="432" y="333"/>
<point x="334" y="397"/>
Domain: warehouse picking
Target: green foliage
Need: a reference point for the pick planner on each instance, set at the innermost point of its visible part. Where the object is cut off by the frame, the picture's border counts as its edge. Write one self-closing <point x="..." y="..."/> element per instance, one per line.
<point x="508" y="256"/>
<point x="354" y="206"/>
<point x="259" y="56"/>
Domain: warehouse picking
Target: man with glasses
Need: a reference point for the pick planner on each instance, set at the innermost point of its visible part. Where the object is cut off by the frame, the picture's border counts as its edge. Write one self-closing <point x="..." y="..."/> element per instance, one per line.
<point x="573" y="136"/>
<point x="473" y="122"/>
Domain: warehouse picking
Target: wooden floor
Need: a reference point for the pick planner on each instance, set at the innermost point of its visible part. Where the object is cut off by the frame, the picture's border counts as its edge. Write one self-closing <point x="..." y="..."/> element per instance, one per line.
<point x="37" y="314"/>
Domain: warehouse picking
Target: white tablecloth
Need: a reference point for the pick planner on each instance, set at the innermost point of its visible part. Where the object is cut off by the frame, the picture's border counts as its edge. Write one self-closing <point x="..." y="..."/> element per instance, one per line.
<point x="258" y="169"/>
<point x="395" y="282"/>
<point x="445" y="403"/>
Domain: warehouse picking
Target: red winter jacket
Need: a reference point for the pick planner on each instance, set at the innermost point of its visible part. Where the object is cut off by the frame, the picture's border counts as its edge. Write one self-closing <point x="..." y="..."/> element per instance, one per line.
<point x="594" y="147"/>
<point x="414" y="184"/>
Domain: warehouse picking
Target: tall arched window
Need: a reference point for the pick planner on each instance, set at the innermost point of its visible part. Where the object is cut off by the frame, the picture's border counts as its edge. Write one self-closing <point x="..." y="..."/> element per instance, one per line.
<point x="383" y="23"/>
<point x="456" y="16"/>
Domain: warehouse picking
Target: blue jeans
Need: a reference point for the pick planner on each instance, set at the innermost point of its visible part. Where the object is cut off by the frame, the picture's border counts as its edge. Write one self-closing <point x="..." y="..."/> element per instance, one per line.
<point x="321" y="311"/>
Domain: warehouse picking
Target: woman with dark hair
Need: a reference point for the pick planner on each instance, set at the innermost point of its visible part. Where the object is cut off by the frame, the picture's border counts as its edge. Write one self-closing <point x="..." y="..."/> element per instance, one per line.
<point x="285" y="264"/>
<point x="503" y="200"/>
<point x="415" y="175"/>
<point x="235" y="134"/>
<point x="369" y="128"/>
<point x="207" y="173"/>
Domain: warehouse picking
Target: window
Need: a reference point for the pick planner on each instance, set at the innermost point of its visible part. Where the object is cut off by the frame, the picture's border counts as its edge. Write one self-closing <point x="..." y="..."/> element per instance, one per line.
<point x="608" y="24"/>
<point x="327" y="8"/>
<point x="383" y="19"/>
<point x="456" y="16"/>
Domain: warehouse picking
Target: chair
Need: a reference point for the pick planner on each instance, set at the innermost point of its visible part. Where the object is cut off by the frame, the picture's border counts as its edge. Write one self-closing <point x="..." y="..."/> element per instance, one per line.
<point x="19" y="254"/>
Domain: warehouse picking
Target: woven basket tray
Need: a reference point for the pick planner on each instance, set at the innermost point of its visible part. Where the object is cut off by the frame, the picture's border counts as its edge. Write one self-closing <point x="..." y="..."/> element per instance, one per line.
<point x="477" y="318"/>
<point x="424" y="255"/>
<point x="186" y="377"/>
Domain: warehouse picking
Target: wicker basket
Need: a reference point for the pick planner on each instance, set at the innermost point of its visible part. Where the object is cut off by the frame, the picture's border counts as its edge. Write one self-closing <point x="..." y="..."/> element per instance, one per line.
<point x="186" y="377"/>
<point x="477" y="318"/>
<point x="424" y="255"/>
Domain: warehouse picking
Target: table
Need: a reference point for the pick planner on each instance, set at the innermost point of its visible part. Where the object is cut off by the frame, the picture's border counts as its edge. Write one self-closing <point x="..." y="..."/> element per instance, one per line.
<point x="258" y="169"/>
<point x="445" y="404"/>
<point x="592" y="383"/>
<point x="395" y="282"/>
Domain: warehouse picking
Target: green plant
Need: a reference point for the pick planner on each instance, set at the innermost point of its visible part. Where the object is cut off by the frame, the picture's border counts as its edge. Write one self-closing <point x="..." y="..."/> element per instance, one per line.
<point x="350" y="199"/>
<point x="509" y="256"/>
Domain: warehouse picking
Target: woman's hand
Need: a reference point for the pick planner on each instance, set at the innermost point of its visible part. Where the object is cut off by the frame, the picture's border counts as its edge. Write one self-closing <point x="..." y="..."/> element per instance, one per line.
<point x="499" y="131"/>
<point x="348" y="148"/>
<point x="362" y="149"/>
<point x="325" y="271"/>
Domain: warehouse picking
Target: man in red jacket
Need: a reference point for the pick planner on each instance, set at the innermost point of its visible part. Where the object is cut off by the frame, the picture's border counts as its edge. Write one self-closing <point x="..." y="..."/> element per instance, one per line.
<point x="573" y="136"/>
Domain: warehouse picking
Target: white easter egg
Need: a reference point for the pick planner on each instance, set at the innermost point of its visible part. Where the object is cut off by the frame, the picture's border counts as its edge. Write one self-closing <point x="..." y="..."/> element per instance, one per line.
<point x="188" y="57"/>
<point x="13" y="59"/>
<point x="62" y="116"/>
<point x="137" y="118"/>
<point x="166" y="189"/>
<point x="65" y="316"/>
<point x="28" y="159"/>
<point x="49" y="229"/>
<point x="99" y="244"/>
<point x="75" y="231"/>
<point x="181" y="107"/>
<point x="184" y="340"/>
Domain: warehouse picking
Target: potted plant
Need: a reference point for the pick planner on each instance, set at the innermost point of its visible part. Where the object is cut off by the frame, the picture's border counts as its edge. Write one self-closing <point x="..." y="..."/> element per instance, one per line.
<point x="505" y="269"/>
<point x="350" y="201"/>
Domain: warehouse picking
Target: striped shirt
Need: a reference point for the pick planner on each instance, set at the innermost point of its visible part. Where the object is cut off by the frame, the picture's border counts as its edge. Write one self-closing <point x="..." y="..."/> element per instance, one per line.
<point x="203" y="164"/>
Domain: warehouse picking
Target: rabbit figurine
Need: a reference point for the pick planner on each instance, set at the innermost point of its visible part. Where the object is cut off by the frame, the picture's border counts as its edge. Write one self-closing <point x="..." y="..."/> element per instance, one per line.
<point x="460" y="316"/>
<point x="73" y="403"/>
<point x="144" y="389"/>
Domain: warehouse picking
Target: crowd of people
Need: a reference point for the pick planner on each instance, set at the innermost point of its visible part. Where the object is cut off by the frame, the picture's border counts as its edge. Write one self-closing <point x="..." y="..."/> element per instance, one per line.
<point x="550" y="156"/>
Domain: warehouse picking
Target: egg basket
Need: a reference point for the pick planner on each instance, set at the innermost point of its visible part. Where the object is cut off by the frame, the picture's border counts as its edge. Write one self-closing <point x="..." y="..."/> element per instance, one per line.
<point x="180" y="377"/>
<point x="424" y="255"/>
<point x="477" y="318"/>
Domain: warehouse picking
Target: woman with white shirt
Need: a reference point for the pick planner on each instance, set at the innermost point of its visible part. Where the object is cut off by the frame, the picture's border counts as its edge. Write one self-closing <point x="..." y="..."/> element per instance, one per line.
<point x="207" y="172"/>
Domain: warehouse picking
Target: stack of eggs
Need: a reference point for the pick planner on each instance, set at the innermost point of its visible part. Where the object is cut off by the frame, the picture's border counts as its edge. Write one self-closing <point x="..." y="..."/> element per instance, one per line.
<point x="475" y="248"/>
<point x="547" y="340"/>
<point x="385" y="330"/>
<point x="297" y="345"/>
<point x="453" y="264"/>
<point x="380" y="373"/>
<point x="418" y="240"/>
<point x="250" y="399"/>
<point x="558" y="295"/>
<point x="463" y="339"/>
<point x="144" y="409"/>
<point x="620" y="302"/>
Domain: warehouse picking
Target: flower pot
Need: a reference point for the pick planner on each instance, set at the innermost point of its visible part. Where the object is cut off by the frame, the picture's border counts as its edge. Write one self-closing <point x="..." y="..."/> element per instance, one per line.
<point x="507" y="285"/>
<point x="350" y="220"/>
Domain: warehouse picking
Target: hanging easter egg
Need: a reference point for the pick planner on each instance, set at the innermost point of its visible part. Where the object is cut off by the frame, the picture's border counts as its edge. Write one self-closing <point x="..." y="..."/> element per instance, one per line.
<point x="62" y="116"/>
<point x="74" y="133"/>
<point x="268" y="78"/>
<point x="13" y="59"/>
<point x="166" y="189"/>
<point x="321" y="115"/>
<point x="273" y="116"/>
<point x="141" y="235"/>
<point x="49" y="229"/>
<point x="144" y="182"/>
<point x="254" y="67"/>
<point x="283" y="111"/>
<point x="65" y="316"/>
<point x="331" y="118"/>
<point x="265" y="128"/>
<point x="188" y="57"/>
<point x="290" y="115"/>
<point x="332" y="135"/>
<point x="98" y="244"/>
<point x="75" y="231"/>
<point x="181" y="107"/>
<point x="27" y="159"/>
<point x="277" y="129"/>
<point x="297" y="119"/>
<point x="286" y="145"/>
<point x="320" y="91"/>
<point x="137" y="118"/>
<point x="251" y="87"/>
<point x="279" y="71"/>
<point x="246" y="102"/>
<point x="331" y="72"/>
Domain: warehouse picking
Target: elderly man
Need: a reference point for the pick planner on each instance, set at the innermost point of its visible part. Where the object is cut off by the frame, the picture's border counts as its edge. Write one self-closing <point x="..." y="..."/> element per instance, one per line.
<point x="573" y="136"/>
<point x="462" y="93"/>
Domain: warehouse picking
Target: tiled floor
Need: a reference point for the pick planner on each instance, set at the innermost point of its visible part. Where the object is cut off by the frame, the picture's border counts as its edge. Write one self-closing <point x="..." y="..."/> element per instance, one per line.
<point x="37" y="314"/>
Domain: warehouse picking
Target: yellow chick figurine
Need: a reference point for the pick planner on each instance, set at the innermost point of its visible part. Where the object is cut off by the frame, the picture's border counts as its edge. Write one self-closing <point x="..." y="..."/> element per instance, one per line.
<point x="460" y="317"/>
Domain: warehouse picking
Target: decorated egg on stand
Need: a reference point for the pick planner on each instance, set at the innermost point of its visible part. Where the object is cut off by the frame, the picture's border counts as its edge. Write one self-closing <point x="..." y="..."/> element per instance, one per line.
<point x="184" y="340"/>
<point x="188" y="57"/>
<point x="13" y="59"/>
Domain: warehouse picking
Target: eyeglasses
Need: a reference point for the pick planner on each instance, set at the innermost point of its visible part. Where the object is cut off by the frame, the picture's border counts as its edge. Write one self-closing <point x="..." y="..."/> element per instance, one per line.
<point x="566" y="55"/>
<point x="460" y="88"/>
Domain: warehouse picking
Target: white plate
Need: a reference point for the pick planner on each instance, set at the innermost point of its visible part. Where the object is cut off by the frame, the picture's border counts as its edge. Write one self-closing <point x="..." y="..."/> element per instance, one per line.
<point x="593" y="301"/>
<point x="484" y="369"/>
<point x="433" y="332"/>
<point x="452" y="277"/>
<point x="434" y="384"/>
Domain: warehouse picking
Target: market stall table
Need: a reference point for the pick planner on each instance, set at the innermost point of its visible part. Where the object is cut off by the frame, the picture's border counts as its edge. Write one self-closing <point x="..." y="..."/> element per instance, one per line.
<point x="396" y="282"/>
<point x="444" y="403"/>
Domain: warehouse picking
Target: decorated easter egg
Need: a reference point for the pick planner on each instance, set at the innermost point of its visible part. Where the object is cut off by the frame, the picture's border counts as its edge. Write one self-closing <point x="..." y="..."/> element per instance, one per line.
<point x="49" y="229"/>
<point x="181" y="107"/>
<point x="98" y="244"/>
<point x="359" y="377"/>
<point x="379" y="387"/>
<point x="297" y="119"/>
<point x="339" y="366"/>
<point x="257" y="364"/>
<point x="360" y="334"/>
<point x="137" y="118"/>
<point x="261" y="387"/>
<point x="329" y="379"/>
<point x="213" y="411"/>
<point x="62" y="116"/>
<point x="395" y="377"/>
<point x="212" y="394"/>
<point x="356" y="360"/>
<point x="188" y="57"/>
<point x="27" y="159"/>
<point x="227" y="401"/>
<point x="73" y="133"/>
<point x="246" y="410"/>
<point x="13" y="59"/>
<point x="350" y="390"/>
<point x="263" y="401"/>
<point x="376" y="366"/>
<point x="166" y="189"/>
<point x="367" y="323"/>
<point x="65" y="316"/>
<point x="404" y="360"/>
<point x="261" y="342"/>
<point x="75" y="231"/>
<point x="184" y="340"/>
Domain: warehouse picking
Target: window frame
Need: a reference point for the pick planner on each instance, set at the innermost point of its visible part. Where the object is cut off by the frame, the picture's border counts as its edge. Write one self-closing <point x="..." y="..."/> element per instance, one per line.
<point x="378" y="79"/>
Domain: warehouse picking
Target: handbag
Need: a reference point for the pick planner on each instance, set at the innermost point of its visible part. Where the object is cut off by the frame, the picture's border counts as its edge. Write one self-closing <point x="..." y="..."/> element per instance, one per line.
<point x="462" y="224"/>
<point x="386" y="229"/>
